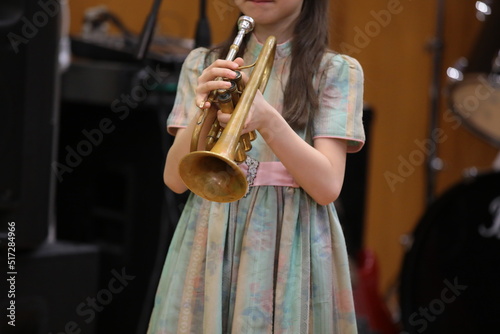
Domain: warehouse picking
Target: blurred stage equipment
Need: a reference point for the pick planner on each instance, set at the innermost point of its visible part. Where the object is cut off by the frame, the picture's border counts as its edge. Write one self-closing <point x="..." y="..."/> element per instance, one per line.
<point x="450" y="274"/>
<point x="28" y="129"/>
<point x="434" y="163"/>
<point x="449" y="279"/>
<point x="69" y="153"/>
<point x="474" y="95"/>
<point x="43" y="273"/>
<point x="115" y="99"/>
<point x="351" y="204"/>
<point x="148" y="30"/>
<point x="203" y="35"/>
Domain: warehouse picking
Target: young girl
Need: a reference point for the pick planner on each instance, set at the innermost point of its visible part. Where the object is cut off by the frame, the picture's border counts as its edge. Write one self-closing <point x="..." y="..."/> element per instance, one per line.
<point x="274" y="261"/>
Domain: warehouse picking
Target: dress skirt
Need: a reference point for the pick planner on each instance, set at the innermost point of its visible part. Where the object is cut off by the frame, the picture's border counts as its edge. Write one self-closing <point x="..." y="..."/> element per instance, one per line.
<point x="252" y="267"/>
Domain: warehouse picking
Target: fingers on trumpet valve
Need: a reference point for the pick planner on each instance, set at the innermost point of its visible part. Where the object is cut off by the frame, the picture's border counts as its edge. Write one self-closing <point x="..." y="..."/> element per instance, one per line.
<point x="201" y="105"/>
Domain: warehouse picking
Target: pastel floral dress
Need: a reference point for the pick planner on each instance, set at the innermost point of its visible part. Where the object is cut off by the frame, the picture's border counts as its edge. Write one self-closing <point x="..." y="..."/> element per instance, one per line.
<point x="274" y="261"/>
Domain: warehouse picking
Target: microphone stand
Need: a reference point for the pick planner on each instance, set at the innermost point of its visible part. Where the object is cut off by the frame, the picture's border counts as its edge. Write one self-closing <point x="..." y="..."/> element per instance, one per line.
<point x="434" y="163"/>
<point x="147" y="31"/>
<point x="203" y="36"/>
<point x="142" y="48"/>
<point x="203" y="28"/>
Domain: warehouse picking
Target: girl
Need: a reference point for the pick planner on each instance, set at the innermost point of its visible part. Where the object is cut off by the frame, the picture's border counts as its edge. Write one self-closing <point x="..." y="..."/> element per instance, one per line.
<point x="274" y="261"/>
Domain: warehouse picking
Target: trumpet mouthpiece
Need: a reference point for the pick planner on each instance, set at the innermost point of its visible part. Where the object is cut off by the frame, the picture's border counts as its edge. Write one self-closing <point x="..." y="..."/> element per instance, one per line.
<point x="246" y="23"/>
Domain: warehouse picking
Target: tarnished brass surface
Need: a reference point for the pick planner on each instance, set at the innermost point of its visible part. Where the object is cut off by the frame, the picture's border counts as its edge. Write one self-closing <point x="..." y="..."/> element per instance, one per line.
<point x="213" y="173"/>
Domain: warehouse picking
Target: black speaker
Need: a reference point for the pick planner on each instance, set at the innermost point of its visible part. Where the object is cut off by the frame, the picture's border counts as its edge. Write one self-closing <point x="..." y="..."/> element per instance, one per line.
<point x="54" y="290"/>
<point x="29" y="37"/>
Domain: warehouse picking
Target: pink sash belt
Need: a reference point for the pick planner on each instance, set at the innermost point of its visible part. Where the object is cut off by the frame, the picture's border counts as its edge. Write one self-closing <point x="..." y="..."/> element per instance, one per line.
<point x="270" y="173"/>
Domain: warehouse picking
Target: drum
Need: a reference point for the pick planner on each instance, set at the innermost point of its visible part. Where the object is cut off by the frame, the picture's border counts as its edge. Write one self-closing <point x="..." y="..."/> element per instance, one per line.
<point x="450" y="278"/>
<point x="475" y="96"/>
<point x="476" y="100"/>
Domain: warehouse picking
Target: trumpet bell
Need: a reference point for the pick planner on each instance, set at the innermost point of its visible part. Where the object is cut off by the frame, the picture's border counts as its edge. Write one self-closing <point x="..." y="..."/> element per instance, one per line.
<point x="213" y="176"/>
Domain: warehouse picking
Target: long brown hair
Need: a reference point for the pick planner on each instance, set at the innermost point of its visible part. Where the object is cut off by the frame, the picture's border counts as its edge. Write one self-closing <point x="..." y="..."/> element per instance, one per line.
<point x="310" y="41"/>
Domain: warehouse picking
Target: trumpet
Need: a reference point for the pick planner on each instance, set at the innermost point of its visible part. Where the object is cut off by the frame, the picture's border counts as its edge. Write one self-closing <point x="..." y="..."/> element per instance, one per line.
<point x="214" y="173"/>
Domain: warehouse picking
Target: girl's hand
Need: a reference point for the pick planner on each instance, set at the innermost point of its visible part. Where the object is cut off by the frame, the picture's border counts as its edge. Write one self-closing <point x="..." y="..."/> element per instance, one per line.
<point x="257" y="115"/>
<point x="208" y="82"/>
<point x="256" y="118"/>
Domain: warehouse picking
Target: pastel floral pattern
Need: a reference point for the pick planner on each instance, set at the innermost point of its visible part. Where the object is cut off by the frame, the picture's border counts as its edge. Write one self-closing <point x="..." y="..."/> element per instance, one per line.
<point x="274" y="261"/>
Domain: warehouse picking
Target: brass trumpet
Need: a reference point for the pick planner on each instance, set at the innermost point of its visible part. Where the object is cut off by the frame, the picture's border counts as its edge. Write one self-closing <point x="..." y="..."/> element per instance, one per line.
<point x="213" y="173"/>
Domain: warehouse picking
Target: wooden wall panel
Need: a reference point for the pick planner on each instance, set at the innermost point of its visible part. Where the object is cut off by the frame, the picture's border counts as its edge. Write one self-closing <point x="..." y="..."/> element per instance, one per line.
<point x="398" y="73"/>
<point x="390" y="39"/>
<point x="176" y="18"/>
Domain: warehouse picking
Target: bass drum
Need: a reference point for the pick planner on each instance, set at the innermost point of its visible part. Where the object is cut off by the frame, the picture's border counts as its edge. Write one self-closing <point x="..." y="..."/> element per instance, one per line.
<point x="475" y="98"/>
<point x="450" y="278"/>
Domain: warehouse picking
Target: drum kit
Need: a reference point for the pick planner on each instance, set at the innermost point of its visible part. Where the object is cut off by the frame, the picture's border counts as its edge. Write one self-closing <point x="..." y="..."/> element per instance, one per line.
<point x="475" y="90"/>
<point x="450" y="277"/>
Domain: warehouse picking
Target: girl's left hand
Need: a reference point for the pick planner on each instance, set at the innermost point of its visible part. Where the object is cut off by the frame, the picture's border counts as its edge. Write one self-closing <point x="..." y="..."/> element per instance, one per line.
<point x="256" y="118"/>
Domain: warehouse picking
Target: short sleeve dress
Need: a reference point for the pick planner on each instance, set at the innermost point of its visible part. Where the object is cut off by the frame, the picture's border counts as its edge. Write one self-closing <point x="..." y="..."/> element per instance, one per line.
<point x="274" y="261"/>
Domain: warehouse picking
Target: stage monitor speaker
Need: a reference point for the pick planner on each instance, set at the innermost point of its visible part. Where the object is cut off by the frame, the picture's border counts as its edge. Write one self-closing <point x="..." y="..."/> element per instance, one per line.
<point x="29" y="33"/>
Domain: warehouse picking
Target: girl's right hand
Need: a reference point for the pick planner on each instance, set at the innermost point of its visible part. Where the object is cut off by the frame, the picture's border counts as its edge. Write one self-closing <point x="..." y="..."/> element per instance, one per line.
<point x="208" y="82"/>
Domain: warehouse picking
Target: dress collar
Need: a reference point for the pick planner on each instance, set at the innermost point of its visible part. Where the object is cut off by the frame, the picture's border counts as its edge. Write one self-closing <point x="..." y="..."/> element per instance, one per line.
<point x="283" y="50"/>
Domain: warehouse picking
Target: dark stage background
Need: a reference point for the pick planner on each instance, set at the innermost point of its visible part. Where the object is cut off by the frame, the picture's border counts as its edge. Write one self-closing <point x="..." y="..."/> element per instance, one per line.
<point x="80" y="180"/>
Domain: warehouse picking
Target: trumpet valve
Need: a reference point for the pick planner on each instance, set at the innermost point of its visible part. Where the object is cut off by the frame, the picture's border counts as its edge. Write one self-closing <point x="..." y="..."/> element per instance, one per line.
<point x="225" y="100"/>
<point x="246" y="142"/>
<point x="213" y="135"/>
<point x="239" y="154"/>
<point x="252" y="135"/>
